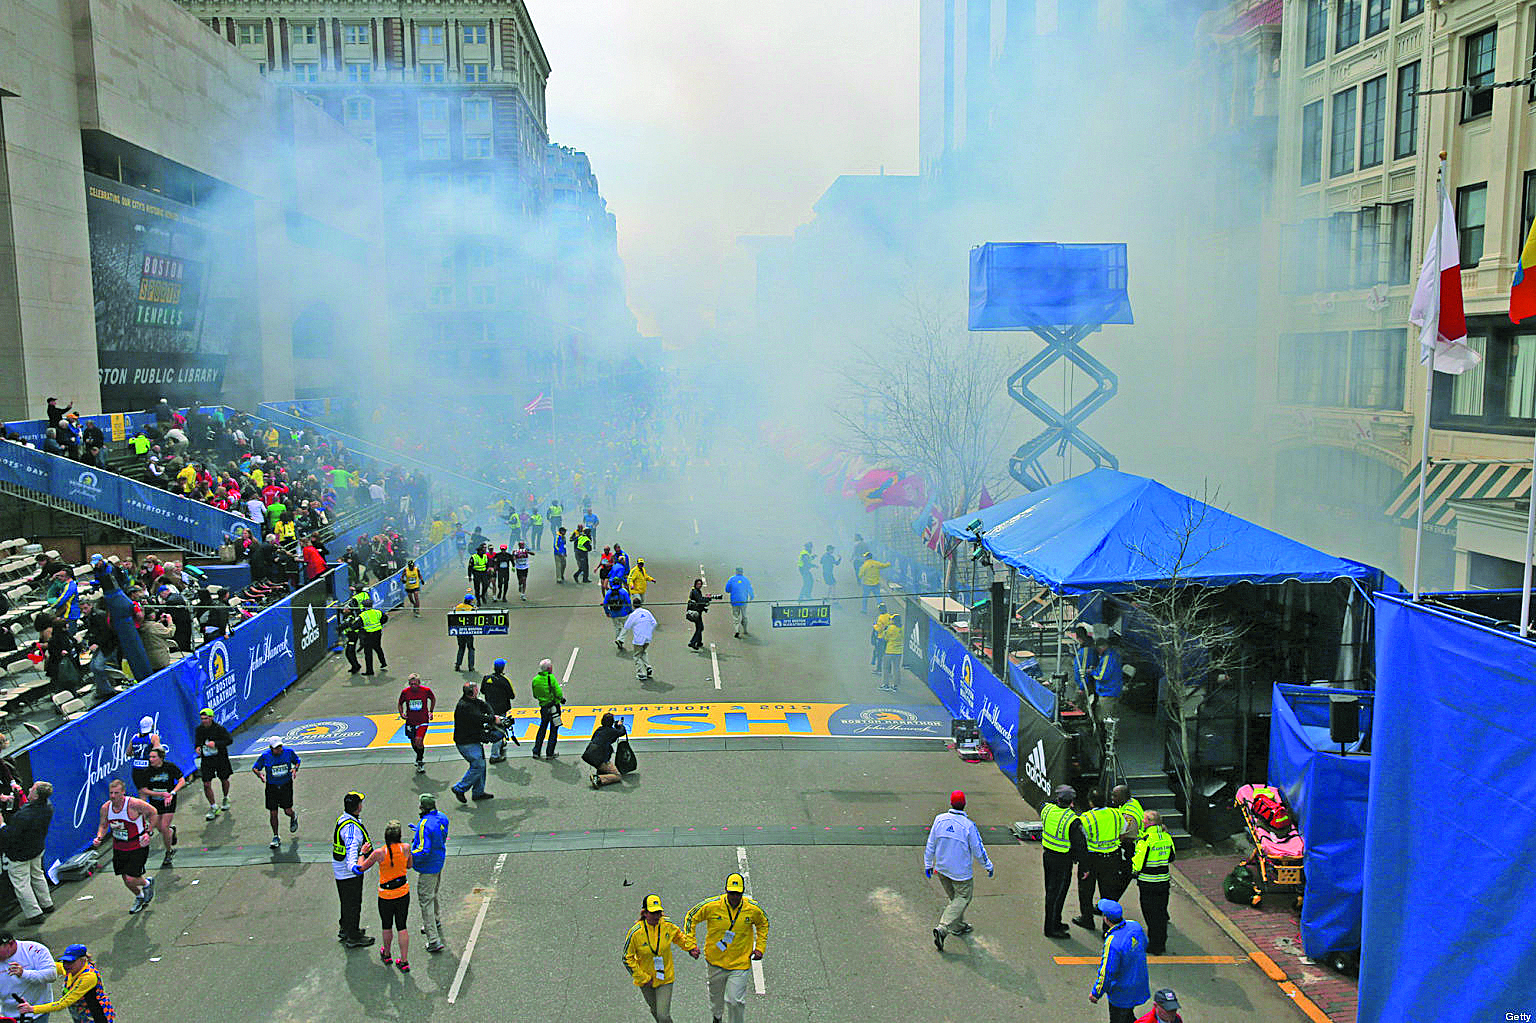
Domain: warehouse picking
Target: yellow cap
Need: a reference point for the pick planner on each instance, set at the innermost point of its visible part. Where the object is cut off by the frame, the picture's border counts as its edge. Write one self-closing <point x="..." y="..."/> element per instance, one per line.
<point x="653" y="903"/>
<point x="735" y="883"/>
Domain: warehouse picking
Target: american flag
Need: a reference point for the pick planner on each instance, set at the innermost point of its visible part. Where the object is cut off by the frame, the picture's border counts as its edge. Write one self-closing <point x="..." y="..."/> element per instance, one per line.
<point x="540" y="404"/>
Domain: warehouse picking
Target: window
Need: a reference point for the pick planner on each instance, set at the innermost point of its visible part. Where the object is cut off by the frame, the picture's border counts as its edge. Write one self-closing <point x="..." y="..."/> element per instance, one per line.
<point x="355" y="34"/>
<point x="359" y="71"/>
<point x="1312" y="143"/>
<point x="477" y="184"/>
<point x="1471" y="218"/>
<point x="477" y="72"/>
<point x="433" y="109"/>
<point x="1378" y="15"/>
<point x="1477" y="101"/>
<point x="1367" y="248"/>
<point x="1341" y="154"/>
<point x="1341" y="232"/>
<point x="1527" y="207"/>
<point x="434" y="73"/>
<point x="442" y="295"/>
<point x="1467" y="388"/>
<point x="357" y="108"/>
<point x="1378" y="360"/>
<point x="251" y="33"/>
<point x="474" y="35"/>
<point x="1520" y="379"/>
<point x="429" y="35"/>
<point x="479" y="257"/>
<point x="1407" y="136"/>
<point x="305" y="35"/>
<point x="1300" y="266"/>
<point x="477" y="110"/>
<point x="1316" y="47"/>
<point x="1412" y="8"/>
<point x="477" y="148"/>
<point x="1313" y="369"/>
<point x="304" y="71"/>
<point x="434" y="148"/>
<point x="1400" y="268"/>
<point x="482" y="294"/>
<point x="1373" y="121"/>
<point x="1347" y="29"/>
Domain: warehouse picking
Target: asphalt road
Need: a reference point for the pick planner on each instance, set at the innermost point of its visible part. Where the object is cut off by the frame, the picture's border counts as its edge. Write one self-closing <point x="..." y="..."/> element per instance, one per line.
<point x="830" y="836"/>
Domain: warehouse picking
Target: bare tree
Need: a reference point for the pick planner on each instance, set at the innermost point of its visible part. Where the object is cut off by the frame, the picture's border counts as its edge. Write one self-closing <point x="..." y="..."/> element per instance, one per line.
<point x="1197" y="646"/>
<point x="930" y="399"/>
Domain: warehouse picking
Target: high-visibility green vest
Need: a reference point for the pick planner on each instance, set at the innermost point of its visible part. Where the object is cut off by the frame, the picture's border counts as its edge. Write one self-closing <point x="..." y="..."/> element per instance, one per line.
<point x="338" y="847"/>
<point x="1101" y="829"/>
<point x="555" y="510"/>
<point x="372" y="619"/>
<point x="479" y="562"/>
<point x="584" y="543"/>
<point x="806" y="559"/>
<point x="1134" y="815"/>
<point x="535" y="518"/>
<point x="1154" y="852"/>
<point x="1058" y="827"/>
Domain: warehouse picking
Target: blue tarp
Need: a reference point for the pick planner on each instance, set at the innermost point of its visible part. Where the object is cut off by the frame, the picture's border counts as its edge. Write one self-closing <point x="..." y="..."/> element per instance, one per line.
<point x="1109" y="530"/>
<point x="1328" y="793"/>
<point x="1023" y="285"/>
<point x="1451" y="833"/>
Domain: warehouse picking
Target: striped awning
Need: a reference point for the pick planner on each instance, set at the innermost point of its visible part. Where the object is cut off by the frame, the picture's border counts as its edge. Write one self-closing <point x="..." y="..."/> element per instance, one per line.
<point x="1457" y="481"/>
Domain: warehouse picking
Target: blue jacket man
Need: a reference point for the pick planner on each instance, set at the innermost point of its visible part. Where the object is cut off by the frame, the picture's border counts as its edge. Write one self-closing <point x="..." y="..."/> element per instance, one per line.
<point x="739" y="588"/>
<point x="429" y="847"/>
<point x="1122" y="977"/>
<point x="1108" y="676"/>
<point x="617" y="606"/>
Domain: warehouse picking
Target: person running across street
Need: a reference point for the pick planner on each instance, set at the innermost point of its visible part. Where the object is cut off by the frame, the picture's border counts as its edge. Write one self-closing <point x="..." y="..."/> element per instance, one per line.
<point x="1122" y="976"/>
<point x="213" y="741"/>
<point x="599" y="752"/>
<point x="473" y="720"/>
<point x="953" y="841"/>
<point x="496" y="689"/>
<point x="429" y="850"/>
<point x="277" y="768"/>
<point x="869" y="578"/>
<point x="521" y="559"/>
<point x="648" y="956"/>
<point x="162" y="781"/>
<point x="739" y="588"/>
<point x="641" y="626"/>
<point x="805" y="564"/>
<point x="735" y="935"/>
<point x="466" y="643"/>
<point x="349" y="847"/>
<point x="560" y="549"/>
<point x="589" y="522"/>
<point x="546" y="690"/>
<point x="130" y="822"/>
<point x="415" y="706"/>
<point x="394" y="861"/>
<point x="829" y="563"/>
<point x="411" y="577"/>
<point x="84" y="996"/>
<point x="617" y="606"/>
<point x="639" y="579"/>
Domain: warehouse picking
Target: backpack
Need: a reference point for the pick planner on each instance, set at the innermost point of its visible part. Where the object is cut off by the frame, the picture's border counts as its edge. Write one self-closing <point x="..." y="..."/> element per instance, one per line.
<point x="1239" y="887"/>
<point x="624" y="757"/>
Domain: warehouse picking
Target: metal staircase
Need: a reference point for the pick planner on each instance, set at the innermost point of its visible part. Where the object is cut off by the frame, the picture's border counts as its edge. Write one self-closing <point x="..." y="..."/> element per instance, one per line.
<point x="46" y="500"/>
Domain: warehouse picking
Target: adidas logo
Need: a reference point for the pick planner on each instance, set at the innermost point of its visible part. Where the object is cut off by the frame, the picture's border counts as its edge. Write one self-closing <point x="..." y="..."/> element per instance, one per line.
<point x="311" y="633"/>
<point x="1035" y="768"/>
<point x="914" y="642"/>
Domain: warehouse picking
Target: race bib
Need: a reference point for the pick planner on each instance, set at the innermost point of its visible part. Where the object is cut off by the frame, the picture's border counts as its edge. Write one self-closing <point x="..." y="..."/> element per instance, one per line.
<point x="729" y="937"/>
<point x="415" y="704"/>
<point x="120" y="830"/>
<point x="277" y="771"/>
<point x="660" y="966"/>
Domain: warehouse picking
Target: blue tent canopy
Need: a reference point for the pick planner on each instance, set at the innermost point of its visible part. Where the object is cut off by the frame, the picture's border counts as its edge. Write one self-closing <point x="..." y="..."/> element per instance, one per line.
<point x="1109" y="530"/>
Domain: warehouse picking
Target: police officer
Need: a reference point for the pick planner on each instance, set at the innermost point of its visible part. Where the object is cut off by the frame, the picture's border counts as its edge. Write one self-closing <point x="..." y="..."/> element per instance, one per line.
<point x="1061" y="833"/>
<point x="349" y="845"/>
<point x="480" y="572"/>
<point x="351" y="635"/>
<point x="535" y="528"/>
<point x="582" y="543"/>
<point x="805" y="563"/>
<point x="556" y="515"/>
<point x="371" y="621"/>
<point x="1100" y="863"/>
<point x="1130" y="810"/>
<point x="1154" y="852"/>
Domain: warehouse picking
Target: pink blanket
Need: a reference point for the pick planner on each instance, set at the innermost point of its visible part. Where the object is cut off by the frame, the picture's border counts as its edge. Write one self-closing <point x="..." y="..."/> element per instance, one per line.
<point x="1271" y="843"/>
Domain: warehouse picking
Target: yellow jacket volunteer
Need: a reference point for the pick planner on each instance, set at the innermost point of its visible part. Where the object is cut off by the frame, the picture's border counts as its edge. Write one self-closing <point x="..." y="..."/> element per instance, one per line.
<point x="649" y="945"/>
<point x="731" y="934"/>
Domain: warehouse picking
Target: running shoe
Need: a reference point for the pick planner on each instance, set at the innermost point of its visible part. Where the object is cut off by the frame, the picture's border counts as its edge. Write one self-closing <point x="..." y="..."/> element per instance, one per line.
<point x="213" y="811"/>
<point x="276" y="843"/>
<point x="293" y="824"/>
<point x="149" y="890"/>
<point x="138" y="904"/>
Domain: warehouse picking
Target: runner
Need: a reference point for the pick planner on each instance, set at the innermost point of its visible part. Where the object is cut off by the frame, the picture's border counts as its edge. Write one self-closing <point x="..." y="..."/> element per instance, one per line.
<point x="520" y="558"/>
<point x="139" y="746"/>
<point x="281" y="767"/>
<point x="415" y="707"/>
<point x="162" y="780"/>
<point x="412" y="578"/>
<point x="560" y="549"/>
<point x="129" y="821"/>
<point x="213" y="741"/>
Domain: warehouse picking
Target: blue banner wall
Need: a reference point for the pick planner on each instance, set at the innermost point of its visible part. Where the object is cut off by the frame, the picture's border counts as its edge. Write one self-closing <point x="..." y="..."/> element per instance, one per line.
<point x="968" y="689"/>
<point x="1451" y="831"/>
<point x="1038" y="694"/>
<point x="238" y="675"/>
<point x="82" y="757"/>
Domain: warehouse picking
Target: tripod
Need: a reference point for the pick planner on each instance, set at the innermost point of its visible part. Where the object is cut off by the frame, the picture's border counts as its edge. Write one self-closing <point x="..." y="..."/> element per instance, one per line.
<point x="1109" y="763"/>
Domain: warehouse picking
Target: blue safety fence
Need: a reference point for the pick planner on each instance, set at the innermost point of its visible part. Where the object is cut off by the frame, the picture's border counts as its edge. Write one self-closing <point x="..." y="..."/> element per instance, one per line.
<point x="1040" y="696"/>
<point x="1451" y="830"/>
<point x="967" y="688"/>
<point x="111" y="494"/>
<point x="235" y="676"/>
<point x="1328" y="791"/>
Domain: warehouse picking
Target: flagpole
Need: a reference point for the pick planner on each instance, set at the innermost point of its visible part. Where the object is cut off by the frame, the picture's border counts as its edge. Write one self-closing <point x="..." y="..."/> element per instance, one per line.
<point x="1429" y="379"/>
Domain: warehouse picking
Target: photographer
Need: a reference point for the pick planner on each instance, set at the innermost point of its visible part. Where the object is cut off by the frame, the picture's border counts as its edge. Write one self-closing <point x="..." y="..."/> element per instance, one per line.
<point x="546" y="690"/>
<point x="497" y="690"/>
<point x="474" y="723"/>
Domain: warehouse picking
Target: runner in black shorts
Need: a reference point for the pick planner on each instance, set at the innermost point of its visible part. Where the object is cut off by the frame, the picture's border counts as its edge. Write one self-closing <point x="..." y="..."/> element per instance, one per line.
<point x="162" y="780"/>
<point x="213" y="741"/>
<point x="129" y="821"/>
<point x="281" y="766"/>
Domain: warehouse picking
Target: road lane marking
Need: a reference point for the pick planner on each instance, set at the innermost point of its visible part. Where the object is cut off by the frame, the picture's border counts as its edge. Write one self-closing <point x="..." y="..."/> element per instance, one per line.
<point x="746" y="878"/>
<point x="714" y="661"/>
<point x="565" y="679"/>
<point x="621" y="527"/>
<point x="474" y="932"/>
<point x="695" y="526"/>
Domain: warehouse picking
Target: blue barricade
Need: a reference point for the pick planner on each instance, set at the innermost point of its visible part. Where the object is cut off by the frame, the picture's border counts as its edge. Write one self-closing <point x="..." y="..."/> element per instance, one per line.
<point x="968" y="689"/>
<point x="240" y="674"/>
<point x="1032" y="689"/>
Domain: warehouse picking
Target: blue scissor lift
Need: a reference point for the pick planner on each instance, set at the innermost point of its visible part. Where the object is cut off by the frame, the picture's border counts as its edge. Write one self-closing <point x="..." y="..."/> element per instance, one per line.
<point x="1062" y="293"/>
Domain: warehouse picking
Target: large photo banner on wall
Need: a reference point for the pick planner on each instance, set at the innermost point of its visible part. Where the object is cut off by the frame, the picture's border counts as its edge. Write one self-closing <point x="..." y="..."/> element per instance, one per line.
<point x="172" y="293"/>
<point x="241" y="673"/>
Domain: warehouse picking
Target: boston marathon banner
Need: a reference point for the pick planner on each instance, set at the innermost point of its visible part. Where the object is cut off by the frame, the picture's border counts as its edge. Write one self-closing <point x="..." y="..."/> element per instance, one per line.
<point x="968" y="689"/>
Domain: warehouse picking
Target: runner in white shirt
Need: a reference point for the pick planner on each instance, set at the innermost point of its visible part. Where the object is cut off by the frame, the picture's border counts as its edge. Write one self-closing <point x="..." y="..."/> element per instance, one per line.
<point x="520" y="559"/>
<point x="641" y="625"/>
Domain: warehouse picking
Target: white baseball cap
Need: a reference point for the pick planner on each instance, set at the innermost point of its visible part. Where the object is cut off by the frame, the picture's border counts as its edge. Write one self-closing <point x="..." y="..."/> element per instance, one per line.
<point x="146" y="723"/>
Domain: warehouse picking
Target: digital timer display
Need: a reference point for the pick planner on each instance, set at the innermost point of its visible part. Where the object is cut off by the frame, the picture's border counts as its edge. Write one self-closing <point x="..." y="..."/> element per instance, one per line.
<point x="478" y="623"/>
<point x="800" y="616"/>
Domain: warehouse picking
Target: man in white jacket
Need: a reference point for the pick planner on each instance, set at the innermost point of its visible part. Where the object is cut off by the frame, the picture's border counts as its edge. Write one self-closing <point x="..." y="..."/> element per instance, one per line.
<point x="953" y="842"/>
<point x="641" y="625"/>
